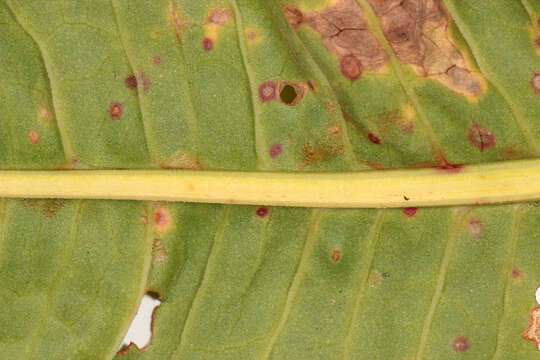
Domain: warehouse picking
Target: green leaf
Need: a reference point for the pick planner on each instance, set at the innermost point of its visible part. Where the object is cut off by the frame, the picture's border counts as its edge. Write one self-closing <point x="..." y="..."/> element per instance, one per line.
<point x="268" y="85"/>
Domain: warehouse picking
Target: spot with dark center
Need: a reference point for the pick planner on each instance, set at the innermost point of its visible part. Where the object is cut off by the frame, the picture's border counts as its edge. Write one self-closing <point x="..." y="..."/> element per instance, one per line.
<point x="207" y="44"/>
<point x="351" y="67"/>
<point x="294" y="16"/>
<point x="535" y="83"/>
<point x="290" y="94"/>
<point x="475" y="228"/>
<point x="410" y="211"/>
<point x="267" y="91"/>
<point x="261" y="212"/>
<point x="336" y="256"/>
<point x="131" y="82"/>
<point x="34" y="137"/>
<point x="115" y="110"/>
<point x="481" y="138"/>
<point x="460" y="344"/>
<point x="373" y="138"/>
<point x="275" y="150"/>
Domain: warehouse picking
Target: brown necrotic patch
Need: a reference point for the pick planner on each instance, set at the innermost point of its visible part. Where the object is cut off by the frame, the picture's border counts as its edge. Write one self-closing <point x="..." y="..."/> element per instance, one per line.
<point x="481" y="138"/>
<point x="336" y="256"/>
<point x="535" y="83"/>
<point x="475" y="228"/>
<point x="294" y="16"/>
<point x="115" y="111"/>
<point x="267" y="91"/>
<point x="532" y="333"/>
<point x="220" y="16"/>
<point x="207" y="44"/>
<point x="291" y="93"/>
<point x="131" y="82"/>
<point x="460" y="344"/>
<point x="345" y="34"/>
<point x="418" y="33"/>
<point x="34" y="137"/>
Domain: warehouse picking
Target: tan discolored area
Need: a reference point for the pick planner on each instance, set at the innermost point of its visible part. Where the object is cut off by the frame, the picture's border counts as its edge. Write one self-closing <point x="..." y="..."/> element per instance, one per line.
<point x="532" y="333"/>
<point x="417" y="31"/>
<point x="159" y="253"/>
<point x="181" y="161"/>
<point x="344" y="32"/>
<point x="178" y="22"/>
<point x="48" y="208"/>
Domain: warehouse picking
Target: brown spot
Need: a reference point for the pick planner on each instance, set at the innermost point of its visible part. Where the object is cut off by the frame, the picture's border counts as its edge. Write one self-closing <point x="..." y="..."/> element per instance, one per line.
<point x="385" y="275"/>
<point x="373" y="138"/>
<point x="291" y="93"/>
<point x="275" y="150"/>
<point x="336" y="256"/>
<point x="374" y="278"/>
<point x="131" y="82"/>
<point x="267" y="91"/>
<point x="207" y="44"/>
<point x="475" y="228"/>
<point x="350" y="67"/>
<point x="293" y="16"/>
<point x="157" y="60"/>
<point x="481" y="138"/>
<point x="375" y="166"/>
<point x="310" y="85"/>
<point x="115" y="110"/>
<point x="48" y="208"/>
<point x="345" y="34"/>
<point x="532" y="333"/>
<point x="460" y="344"/>
<point x="177" y="21"/>
<point x="418" y="33"/>
<point x="181" y="161"/>
<point x="220" y="16"/>
<point x="328" y="148"/>
<point x="261" y="212"/>
<point x="537" y="42"/>
<point x="159" y="253"/>
<point x="34" y="137"/>
<point x="535" y="83"/>
<point x="516" y="273"/>
<point x="44" y="113"/>
<point x="410" y="211"/>
<point x="162" y="219"/>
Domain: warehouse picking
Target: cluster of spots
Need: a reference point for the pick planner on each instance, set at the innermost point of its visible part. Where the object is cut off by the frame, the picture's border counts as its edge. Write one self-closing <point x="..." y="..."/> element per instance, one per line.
<point x="535" y="83"/>
<point x="481" y="138"/>
<point x="261" y="212"/>
<point x="532" y="333"/>
<point x="181" y="161"/>
<point x="115" y="110"/>
<point x="275" y="150"/>
<point x="345" y="34"/>
<point x="328" y="148"/>
<point x="336" y="255"/>
<point x="162" y="219"/>
<point x="460" y="344"/>
<point x="475" y="228"/>
<point x="216" y="20"/>
<point x="34" y="137"/>
<point x="417" y="31"/>
<point x="132" y="82"/>
<point x="48" y="208"/>
<point x="159" y="253"/>
<point x="410" y="211"/>
<point x="287" y="93"/>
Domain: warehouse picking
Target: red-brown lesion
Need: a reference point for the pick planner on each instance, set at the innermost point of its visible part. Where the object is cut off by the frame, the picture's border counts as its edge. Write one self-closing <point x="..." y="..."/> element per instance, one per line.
<point x="532" y="333"/>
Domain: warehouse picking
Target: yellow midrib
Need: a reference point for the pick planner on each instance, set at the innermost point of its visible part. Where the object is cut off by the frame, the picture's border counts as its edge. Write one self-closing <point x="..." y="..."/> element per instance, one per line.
<point x="475" y="184"/>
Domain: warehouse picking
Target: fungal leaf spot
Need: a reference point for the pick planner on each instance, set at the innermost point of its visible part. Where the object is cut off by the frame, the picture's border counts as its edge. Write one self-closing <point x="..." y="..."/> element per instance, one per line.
<point x="267" y="91"/>
<point x="162" y="219"/>
<point x="159" y="253"/>
<point x="290" y="93"/>
<point x="294" y="16"/>
<point x="535" y="83"/>
<point x="115" y="111"/>
<point x="262" y="212"/>
<point x="481" y="138"/>
<point x="177" y="21"/>
<point x="410" y="211"/>
<point x="34" y="137"/>
<point x="131" y="82"/>
<point x="418" y="33"/>
<point x="207" y="44"/>
<point x="336" y="256"/>
<point x="475" y="228"/>
<point x="344" y="32"/>
<point x="275" y="150"/>
<point x="181" y="161"/>
<point x="460" y="344"/>
<point x="532" y="333"/>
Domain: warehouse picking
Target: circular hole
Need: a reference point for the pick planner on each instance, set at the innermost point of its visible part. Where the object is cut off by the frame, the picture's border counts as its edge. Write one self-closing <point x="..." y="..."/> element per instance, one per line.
<point x="288" y="94"/>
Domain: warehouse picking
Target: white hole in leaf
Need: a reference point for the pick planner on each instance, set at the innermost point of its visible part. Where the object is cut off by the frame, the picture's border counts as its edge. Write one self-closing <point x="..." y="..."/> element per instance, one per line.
<point x="538" y="295"/>
<point x="140" y="331"/>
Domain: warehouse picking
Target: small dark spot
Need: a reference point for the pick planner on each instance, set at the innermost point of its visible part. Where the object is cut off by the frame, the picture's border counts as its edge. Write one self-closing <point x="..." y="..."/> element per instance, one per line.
<point x="310" y="85"/>
<point x="351" y="67"/>
<point x="405" y="198"/>
<point x="267" y="91"/>
<point x="460" y="344"/>
<point x="207" y="44"/>
<point x="516" y="273"/>
<point x="475" y="228"/>
<point x="537" y="42"/>
<point x="410" y="211"/>
<point x="373" y="138"/>
<point x="294" y="16"/>
<point x="481" y="138"/>
<point x="34" y="137"/>
<point x="157" y="60"/>
<point x="275" y="150"/>
<point x="535" y="83"/>
<point x="385" y="275"/>
<point x="262" y="212"/>
<point x="131" y="82"/>
<point x="290" y="94"/>
<point x="115" y="110"/>
<point x="336" y="256"/>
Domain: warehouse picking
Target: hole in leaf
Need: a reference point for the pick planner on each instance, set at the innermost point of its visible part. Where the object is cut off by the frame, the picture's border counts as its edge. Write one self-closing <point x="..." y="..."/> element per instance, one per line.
<point x="140" y="331"/>
<point x="537" y="295"/>
<point x="288" y="94"/>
